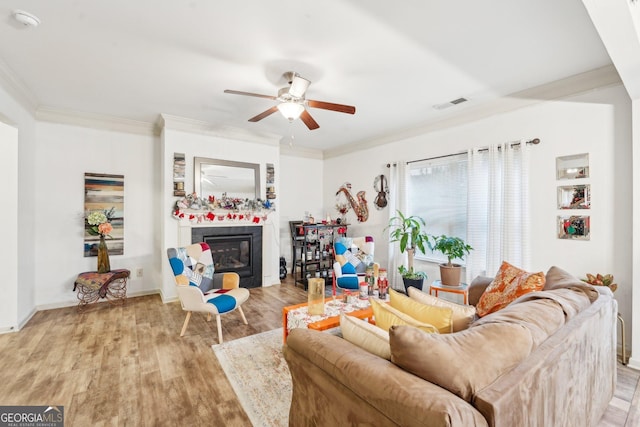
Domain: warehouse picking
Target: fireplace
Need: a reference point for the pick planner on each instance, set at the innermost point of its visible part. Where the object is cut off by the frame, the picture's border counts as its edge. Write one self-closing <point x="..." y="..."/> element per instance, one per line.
<point x="237" y="249"/>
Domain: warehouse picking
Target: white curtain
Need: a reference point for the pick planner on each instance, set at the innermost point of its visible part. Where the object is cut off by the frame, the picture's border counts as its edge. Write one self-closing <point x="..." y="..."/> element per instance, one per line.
<point x="498" y="208"/>
<point x="397" y="202"/>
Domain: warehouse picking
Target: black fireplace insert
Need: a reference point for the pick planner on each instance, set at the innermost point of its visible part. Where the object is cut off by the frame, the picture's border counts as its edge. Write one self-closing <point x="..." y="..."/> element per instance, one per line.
<point x="237" y="249"/>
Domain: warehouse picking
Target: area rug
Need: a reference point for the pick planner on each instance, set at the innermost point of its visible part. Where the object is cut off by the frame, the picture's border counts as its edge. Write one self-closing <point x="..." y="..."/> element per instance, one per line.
<point x="259" y="375"/>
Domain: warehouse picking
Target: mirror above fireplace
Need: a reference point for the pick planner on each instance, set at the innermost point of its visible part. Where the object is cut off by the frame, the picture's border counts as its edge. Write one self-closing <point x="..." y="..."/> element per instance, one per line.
<point x="212" y="177"/>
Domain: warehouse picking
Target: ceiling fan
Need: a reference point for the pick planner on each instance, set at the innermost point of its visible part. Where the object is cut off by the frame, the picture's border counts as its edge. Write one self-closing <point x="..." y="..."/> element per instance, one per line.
<point x="292" y="102"/>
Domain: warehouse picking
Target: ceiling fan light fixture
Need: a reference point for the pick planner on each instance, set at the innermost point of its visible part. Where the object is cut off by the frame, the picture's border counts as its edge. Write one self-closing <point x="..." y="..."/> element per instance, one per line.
<point x="291" y="110"/>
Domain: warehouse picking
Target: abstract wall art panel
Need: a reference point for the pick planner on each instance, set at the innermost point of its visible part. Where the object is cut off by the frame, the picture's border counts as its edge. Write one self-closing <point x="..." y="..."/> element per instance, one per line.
<point x="103" y="192"/>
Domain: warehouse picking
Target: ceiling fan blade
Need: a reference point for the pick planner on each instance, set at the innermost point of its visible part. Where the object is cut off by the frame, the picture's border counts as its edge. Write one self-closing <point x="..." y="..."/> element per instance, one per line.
<point x="330" y="106"/>
<point x="237" y="92"/>
<point x="308" y="120"/>
<point x="264" y="114"/>
<point x="299" y="86"/>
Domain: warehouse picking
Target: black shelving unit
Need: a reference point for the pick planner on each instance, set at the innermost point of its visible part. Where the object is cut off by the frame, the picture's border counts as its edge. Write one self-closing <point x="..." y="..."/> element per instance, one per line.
<point x="312" y="250"/>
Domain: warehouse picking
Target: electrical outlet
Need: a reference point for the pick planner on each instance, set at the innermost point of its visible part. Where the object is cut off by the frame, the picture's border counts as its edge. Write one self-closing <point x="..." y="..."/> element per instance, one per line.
<point x="139" y="272"/>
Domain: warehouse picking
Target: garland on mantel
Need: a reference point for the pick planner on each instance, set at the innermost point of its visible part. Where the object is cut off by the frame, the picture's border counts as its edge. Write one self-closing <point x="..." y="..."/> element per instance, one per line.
<point x="199" y="210"/>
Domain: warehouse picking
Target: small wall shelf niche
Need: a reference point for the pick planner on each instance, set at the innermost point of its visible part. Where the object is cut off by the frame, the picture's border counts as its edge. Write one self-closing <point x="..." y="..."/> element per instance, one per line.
<point x="574" y="196"/>
<point x="574" y="227"/>
<point x="271" y="182"/>
<point x="573" y="166"/>
<point x="178" y="174"/>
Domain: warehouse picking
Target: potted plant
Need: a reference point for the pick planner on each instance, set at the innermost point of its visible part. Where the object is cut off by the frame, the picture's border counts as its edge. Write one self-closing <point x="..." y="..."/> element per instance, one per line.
<point x="408" y="231"/>
<point x="601" y="280"/>
<point x="452" y="248"/>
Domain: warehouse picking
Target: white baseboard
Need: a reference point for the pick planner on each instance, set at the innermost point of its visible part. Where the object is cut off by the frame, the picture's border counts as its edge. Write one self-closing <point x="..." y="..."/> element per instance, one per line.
<point x="167" y="299"/>
<point x="634" y="363"/>
<point x="20" y="325"/>
<point x="8" y="330"/>
<point x="24" y="321"/>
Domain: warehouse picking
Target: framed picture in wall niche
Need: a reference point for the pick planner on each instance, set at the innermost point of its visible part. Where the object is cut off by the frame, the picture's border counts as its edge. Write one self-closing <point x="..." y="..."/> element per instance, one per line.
<point x="573" y="166"/>
<point x="574" y="227"/>
<point x="271" y="181"/>
<point x="574" y="197"/>
<point x="178" y="174"/>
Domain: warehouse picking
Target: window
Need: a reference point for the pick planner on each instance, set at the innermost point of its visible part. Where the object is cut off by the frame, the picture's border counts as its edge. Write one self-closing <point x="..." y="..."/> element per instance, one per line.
<point x="437" y="190"/>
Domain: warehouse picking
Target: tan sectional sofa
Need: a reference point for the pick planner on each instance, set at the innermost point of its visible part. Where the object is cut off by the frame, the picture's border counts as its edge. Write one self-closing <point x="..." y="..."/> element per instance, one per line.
<point x="547" y="359"/>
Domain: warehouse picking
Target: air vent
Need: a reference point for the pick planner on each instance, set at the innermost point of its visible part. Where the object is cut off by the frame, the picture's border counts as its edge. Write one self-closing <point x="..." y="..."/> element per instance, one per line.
<point x="459" y="101"/>
<point x="450" y="103"/>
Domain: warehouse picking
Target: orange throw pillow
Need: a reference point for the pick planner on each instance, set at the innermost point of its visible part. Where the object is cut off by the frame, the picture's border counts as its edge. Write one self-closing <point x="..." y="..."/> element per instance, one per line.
<point x="509" y="284"/>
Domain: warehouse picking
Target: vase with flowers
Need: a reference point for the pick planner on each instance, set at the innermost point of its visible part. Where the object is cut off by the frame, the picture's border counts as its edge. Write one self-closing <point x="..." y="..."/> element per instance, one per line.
<point x="100" y="225"/>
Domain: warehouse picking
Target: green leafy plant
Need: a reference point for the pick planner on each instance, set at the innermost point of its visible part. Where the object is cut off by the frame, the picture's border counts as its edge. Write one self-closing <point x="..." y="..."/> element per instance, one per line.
<point x="601" y="280"/>
<point x="411" y="273"/>
<point x="451" y="247"/>
<point x="408" y="231"/>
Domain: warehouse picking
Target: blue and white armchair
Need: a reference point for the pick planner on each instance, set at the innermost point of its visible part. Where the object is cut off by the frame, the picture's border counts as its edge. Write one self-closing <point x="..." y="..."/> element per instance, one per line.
<point x="202" y="290"/>
<point x="352" y="257"/>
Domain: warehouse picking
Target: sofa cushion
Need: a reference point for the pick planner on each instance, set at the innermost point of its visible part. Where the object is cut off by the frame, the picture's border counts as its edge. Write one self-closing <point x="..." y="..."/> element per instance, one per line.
<point x="387" y="316"/>
<point x="461" y="315"/>
<point x="541" y="316"/>
<point x="477" y="287"/>
<point x="439" y="316"/>
<point x="365" y="335"/>
<point x="463" y="362"/>
<point x="557" y="278"/>
<point x="510" y="283"/>
<point x="571" y="301"/>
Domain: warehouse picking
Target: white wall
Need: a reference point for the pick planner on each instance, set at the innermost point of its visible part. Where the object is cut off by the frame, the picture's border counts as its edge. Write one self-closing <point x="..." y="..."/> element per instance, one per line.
<point x="9" y="227"/>
<point x="301" y="190"/>
<point x="23" y="161"/>
<point x="63" y="154"/>
<point x="598" y="123"/>
<point x="634" y="362"/>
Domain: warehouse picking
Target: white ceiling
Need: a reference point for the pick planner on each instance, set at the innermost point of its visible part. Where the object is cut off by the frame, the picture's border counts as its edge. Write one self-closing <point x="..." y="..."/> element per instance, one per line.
<point x="392" y="60"/>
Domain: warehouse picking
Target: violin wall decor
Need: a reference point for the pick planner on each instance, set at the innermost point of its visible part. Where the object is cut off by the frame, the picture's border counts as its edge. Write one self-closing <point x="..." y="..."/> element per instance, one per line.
<point x="380" y="184"/>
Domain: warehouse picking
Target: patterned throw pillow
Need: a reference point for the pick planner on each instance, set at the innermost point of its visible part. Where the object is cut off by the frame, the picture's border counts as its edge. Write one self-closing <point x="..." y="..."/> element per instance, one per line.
<point x="510" y="283"/>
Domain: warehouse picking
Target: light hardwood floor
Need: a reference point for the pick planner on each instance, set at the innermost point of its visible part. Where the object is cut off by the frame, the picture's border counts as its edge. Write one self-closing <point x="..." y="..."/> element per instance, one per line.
<point x="128" y="365"/>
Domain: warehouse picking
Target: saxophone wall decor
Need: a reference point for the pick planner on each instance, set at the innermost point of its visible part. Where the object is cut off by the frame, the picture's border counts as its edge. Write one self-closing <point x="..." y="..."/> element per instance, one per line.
<point x="359" y="206"/>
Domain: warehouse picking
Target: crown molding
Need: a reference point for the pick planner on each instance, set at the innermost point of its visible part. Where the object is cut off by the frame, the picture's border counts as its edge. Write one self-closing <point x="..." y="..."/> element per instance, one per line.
<point x="95" y="121"/>
<point x="598" y="78"/>
<point x="167" y="121"/>
<point x="17" y="89"/>
<point x="294" y="151"/>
